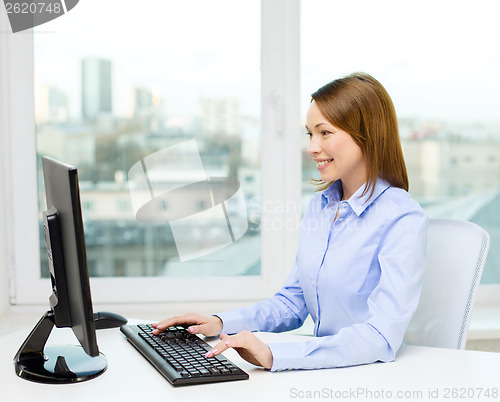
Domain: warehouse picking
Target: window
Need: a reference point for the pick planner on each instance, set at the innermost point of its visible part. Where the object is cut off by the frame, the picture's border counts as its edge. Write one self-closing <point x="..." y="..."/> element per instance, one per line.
<point x="437" y="60"/>
<point x="110" y="104"/>
<point x="173" y="80"/>
<point x="441" y="77"/>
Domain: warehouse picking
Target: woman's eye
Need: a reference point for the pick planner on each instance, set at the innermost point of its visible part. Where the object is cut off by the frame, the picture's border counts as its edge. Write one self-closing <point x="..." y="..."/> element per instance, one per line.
<point x="325" y="132"/>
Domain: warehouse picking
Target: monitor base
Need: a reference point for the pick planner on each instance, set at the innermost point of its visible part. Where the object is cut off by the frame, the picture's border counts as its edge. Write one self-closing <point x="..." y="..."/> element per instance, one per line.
<point x="61" y="364"/>
<point x="55" y="364"/>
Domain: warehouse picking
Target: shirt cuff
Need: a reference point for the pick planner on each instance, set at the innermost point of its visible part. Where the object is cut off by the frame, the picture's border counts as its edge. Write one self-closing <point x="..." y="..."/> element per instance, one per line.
<point x="232" y="322"/>
<point x="287" y="356"/>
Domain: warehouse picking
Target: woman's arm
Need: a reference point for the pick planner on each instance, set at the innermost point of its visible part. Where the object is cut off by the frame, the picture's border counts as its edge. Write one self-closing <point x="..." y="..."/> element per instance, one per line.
<point x="391" y="305"/>
<point x="285" y="311"/>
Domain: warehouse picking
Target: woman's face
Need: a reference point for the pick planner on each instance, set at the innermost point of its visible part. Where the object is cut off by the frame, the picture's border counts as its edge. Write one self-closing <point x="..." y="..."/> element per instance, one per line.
<point x="336" y="154"/>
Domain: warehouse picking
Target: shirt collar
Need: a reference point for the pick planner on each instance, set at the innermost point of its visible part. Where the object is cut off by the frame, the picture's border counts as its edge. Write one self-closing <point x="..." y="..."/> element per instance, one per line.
<point x="332" y="193"/>
<point x="357" y="202"/>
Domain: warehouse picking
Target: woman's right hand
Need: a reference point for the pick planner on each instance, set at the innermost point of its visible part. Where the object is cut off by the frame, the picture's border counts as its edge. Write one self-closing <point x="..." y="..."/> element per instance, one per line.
<point x="208" y="325"/>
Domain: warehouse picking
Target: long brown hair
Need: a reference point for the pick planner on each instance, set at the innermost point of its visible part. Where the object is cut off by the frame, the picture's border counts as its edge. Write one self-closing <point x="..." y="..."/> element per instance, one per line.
<point x="359" y="105"/>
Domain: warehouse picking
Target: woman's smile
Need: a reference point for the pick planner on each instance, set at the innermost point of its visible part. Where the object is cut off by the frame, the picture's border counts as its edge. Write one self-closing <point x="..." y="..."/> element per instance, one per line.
<point x="323" y="163"/>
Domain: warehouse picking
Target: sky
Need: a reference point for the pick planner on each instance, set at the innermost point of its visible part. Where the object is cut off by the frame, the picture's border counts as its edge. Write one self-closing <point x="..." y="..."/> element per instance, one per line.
<point x="438" y="59"/>
<point x="181" y="54"/>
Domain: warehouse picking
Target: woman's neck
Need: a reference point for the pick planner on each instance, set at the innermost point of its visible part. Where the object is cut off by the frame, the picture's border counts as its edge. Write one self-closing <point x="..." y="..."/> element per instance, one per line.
<point x="348" y="191"/>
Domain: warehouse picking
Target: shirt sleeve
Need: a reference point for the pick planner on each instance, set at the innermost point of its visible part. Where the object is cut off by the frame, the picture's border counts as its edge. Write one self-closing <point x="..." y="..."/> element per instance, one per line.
<point x="401" y="257"/>
<point x="285" y="311"/>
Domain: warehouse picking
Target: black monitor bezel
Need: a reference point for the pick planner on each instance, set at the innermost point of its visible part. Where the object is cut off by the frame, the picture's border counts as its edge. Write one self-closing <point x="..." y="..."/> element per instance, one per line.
<point x="62" y="193"/>
<point x="70" y="301"/>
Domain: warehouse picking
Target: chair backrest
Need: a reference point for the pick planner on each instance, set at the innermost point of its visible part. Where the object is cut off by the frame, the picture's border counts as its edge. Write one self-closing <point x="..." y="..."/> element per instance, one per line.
<point x="456" y="253"/>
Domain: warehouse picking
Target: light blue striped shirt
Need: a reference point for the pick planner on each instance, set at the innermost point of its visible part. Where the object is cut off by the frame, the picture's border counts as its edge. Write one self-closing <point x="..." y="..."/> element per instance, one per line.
<point x="359" y="277"/>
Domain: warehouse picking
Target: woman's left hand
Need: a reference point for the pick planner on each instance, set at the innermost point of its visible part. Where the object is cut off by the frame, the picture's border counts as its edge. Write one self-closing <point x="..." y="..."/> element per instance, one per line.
<point x="248" y="346"/>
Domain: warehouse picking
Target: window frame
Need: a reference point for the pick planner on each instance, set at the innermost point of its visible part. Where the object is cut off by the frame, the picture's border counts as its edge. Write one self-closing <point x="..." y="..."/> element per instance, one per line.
<point x="279" y="130"/>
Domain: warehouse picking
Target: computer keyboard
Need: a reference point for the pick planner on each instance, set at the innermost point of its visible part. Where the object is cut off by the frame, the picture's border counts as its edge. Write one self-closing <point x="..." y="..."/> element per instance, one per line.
<point x="180" y="356"/>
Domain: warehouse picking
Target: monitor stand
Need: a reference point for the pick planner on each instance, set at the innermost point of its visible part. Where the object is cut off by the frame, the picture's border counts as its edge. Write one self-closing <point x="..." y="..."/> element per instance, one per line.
<point x="55" y="364"/>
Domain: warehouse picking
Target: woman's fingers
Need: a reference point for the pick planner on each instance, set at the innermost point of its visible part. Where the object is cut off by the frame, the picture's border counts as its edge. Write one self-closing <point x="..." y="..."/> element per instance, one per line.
<point x="248" y="346"/>
<point x="219" y="347"/>
<point x="198" y="324"/>
<point x="172" y="321"/>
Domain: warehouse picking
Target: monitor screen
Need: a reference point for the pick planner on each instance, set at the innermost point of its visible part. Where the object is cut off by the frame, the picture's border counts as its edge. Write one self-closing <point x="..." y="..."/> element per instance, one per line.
<point x="69" y="276"/>
<point x="70" y="301"/>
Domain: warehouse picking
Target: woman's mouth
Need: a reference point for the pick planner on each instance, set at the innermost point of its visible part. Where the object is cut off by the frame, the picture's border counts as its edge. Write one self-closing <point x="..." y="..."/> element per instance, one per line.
<point x="323" y="164"/>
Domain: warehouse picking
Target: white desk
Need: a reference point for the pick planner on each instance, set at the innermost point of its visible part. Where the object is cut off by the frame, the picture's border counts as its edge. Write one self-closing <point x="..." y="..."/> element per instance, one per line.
<point x="420" y="373"/>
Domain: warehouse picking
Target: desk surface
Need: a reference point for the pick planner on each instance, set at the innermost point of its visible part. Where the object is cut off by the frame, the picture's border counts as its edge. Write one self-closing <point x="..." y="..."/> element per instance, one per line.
<point x="419" y="373"/>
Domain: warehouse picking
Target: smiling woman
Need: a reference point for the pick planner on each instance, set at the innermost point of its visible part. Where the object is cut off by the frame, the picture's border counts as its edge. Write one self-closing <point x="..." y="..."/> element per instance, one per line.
<point x="361" y="256"/>
<point x="360" y="112"/>
<point x="337" y="155"/>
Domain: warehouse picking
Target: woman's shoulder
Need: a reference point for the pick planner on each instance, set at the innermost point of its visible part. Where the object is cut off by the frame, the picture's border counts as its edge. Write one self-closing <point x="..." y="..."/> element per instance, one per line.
<point x="400" y="201"/>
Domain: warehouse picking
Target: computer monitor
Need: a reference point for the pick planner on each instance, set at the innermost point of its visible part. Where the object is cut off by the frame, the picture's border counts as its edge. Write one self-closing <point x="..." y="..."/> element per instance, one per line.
<point x="70" y="301"/>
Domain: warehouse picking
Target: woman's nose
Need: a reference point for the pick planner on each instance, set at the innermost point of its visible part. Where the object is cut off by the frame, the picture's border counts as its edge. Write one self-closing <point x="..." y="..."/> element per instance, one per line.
<point x="313" y="147"/>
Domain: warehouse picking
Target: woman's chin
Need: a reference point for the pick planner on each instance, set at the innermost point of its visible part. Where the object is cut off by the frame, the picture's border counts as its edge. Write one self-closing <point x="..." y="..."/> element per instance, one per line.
<point x="327" y="178"/>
